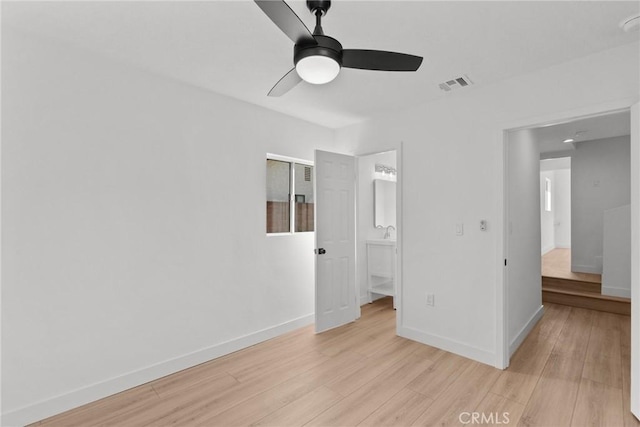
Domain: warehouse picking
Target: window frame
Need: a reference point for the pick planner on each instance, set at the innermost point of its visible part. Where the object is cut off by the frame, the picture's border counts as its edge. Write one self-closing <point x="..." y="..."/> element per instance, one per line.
<point x="547" y="194"/>
<point x="292" y="191"/>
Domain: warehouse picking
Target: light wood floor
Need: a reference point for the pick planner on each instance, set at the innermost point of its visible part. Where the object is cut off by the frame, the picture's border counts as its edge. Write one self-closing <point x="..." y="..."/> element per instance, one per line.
<point x="573" y="370"/>
<point x="557" y="263"/>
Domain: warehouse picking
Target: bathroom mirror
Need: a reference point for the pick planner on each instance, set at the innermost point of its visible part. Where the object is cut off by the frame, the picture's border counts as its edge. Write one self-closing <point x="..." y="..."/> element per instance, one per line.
<point x="384" y="203"/>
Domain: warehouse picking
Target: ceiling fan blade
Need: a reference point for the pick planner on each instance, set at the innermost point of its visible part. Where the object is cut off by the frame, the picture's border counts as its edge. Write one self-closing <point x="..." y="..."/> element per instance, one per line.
<point x="285" y="84"/>
<point x="287" y="20"/>
<point x="380" y="60"/>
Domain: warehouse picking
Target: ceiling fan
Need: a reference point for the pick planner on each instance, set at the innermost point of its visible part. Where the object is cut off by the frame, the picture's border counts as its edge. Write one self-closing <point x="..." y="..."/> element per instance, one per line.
<point x="319" y="58"/>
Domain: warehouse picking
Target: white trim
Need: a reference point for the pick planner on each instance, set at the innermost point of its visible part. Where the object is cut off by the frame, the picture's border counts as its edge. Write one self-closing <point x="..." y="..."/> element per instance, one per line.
<point x="591" y="269"/>
<point x="616" y="292"/>
<point x="635" y="260"/>
<point x="461" y="349"/>
<point x="399" y="237"/>
<point x="524" y="332"/>
<point x="502" y="347"/>
<point x="548" y="249"/>
<point x="78" y="397"/>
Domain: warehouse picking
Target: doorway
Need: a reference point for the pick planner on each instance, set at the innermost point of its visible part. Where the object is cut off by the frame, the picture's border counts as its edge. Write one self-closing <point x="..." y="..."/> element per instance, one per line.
<point x="376" y="179"/>
<point x="377" y="228"/>
<point x="517" y="317"/>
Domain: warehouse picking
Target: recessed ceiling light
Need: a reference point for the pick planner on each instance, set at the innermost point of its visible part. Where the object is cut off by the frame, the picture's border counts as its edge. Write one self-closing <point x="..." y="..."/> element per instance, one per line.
<point x="568" y="140"/>
<point x="631" y="23"/>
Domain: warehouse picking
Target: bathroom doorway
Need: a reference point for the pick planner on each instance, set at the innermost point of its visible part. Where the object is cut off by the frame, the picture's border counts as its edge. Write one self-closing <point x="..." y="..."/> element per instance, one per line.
<point x="377" y="232"/>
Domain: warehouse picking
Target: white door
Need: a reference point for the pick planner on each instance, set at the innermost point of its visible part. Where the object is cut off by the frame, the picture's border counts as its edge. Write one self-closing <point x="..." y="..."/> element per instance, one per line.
<point x="335" y="240"/>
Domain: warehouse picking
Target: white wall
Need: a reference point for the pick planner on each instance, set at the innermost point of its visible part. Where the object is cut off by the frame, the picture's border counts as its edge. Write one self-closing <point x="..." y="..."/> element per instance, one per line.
<point x="600" y="180"/>
<point x="547" y="218"/>
<point x="524" y="295"/>
<point x="134" y="239"/>
<point x="366" y="229"/>
<point x="452" y="173"/>
<point x="616" y="260"/>
<point x="562" y="208"/>
<point x="556" y="225"/>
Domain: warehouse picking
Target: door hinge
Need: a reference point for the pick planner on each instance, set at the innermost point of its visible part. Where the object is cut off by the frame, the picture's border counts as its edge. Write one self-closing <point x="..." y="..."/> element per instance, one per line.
<point x="505" y="262"/>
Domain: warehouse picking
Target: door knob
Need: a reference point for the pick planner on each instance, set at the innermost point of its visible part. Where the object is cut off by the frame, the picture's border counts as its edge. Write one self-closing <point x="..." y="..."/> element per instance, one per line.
<point x="320" y="251"/>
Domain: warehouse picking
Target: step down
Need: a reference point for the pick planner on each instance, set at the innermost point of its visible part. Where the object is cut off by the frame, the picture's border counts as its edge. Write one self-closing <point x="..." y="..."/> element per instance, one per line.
<point x="571" y="284"/>
<point x="590" y="300"/>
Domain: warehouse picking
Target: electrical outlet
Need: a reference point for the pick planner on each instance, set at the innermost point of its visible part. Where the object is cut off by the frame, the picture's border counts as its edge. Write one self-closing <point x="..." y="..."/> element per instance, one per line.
<point x="431" y="300"/>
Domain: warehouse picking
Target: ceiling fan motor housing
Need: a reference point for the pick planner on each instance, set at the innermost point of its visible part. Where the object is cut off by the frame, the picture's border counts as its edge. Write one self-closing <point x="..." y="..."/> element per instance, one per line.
<point x="327" y="46"/>
<point x="321" y="5"/>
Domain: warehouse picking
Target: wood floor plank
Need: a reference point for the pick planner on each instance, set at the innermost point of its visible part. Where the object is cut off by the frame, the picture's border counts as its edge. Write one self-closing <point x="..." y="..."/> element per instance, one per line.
<point x="94" y="413"/>
<point x="401" y="410"/>
<point x="259" y="406"/>
<point x="373" y="366"/>
<point x="499" y="411"/>
<point x="520" y="378"/>
<point x="357" y="406"/>
<point x="553" y="320"/>
<point x="177" y="383"/>
<point x="302" y="410"/>
<point x="444" y="371"/>
<point x="597" y="405"/>
<point x="198" y="402"/>
<point x="252" y="410"/>
<point x="464" y="394"/>
<point x="359" y="339"/>
<point x="603" y="360"/>
<point x="554" y="397"/>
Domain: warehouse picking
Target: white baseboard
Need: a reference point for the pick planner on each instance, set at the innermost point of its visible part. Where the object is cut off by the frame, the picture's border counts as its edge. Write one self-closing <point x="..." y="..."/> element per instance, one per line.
<point x="461" y="349"/>
<point x="524" y="332"/>
<point x="592" y="269"/>
<point x="616" y="292"/>
<point x="547" y="249"/>
<point x="561" y="246"/>
<point x="78" y="397"/>
<point x="364" y="299"/>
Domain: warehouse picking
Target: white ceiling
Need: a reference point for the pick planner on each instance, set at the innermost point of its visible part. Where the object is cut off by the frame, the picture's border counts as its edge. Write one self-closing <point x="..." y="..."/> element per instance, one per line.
<point x="588" y="129"/>
<point x="232" y="48"/>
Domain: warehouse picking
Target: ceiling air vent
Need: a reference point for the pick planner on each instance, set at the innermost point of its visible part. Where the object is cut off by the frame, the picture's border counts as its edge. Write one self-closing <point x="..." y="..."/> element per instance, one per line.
<point x="456" y="83"/>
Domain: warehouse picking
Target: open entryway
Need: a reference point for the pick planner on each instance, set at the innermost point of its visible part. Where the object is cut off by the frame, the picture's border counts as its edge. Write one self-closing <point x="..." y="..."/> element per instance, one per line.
<point x="585" y="212"/>
<point x="377" y="231"/>
<point x="596" y="270"/>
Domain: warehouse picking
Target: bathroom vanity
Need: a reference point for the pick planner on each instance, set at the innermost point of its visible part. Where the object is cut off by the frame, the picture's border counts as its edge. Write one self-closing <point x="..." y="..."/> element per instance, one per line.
<point x="381" y="268"/>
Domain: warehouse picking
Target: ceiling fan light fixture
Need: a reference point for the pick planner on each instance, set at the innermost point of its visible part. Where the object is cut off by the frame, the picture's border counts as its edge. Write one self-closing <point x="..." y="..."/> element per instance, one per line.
<point x="317" y="69"/>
